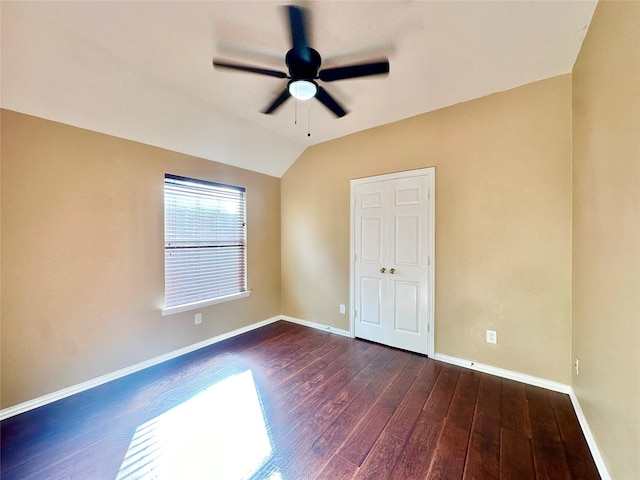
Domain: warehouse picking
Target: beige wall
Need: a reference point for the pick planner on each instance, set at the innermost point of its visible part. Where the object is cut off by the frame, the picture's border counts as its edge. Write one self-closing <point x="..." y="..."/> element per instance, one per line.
<point x="503" y="224"/>
<point x="606" y="233"/>
<point x="82" y="255"/>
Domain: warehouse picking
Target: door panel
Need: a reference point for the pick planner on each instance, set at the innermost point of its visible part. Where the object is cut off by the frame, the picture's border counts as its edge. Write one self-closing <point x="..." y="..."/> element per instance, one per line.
<point x="407" y="196"/>
<point x="406" y="307"/>
<point x="407" y="240"/>
<point x="371" y="240"/>
<point x="370" y="302"/>
<point x="372" y="199"/>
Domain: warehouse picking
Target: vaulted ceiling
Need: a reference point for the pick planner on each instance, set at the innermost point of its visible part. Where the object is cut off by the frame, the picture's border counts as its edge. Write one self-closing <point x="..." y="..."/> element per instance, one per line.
<point x="143" y="70"/>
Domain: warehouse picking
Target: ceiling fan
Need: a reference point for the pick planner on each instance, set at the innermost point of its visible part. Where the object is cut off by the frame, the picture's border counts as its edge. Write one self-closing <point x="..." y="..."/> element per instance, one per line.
<point x="304" y="63"/>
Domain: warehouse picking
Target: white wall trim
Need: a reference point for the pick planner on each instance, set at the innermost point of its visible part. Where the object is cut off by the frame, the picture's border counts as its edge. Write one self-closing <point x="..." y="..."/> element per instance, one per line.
<point x="509" y="374"/>
<point x="81" y="387"/>
<point x="319" y="326"/>
<point x="588" y="435"/>
<point x="543" y="383"/>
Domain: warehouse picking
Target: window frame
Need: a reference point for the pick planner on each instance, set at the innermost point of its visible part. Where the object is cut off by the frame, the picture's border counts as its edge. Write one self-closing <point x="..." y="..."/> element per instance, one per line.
<point x="183" y="307"/>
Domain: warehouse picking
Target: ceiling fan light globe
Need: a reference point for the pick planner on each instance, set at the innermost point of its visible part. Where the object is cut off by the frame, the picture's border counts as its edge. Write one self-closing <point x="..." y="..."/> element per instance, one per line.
<point x="303" y="89"/>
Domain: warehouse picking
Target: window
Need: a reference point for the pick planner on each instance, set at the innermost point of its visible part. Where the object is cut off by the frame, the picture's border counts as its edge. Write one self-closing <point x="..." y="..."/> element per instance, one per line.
<point x="204" y="243"/>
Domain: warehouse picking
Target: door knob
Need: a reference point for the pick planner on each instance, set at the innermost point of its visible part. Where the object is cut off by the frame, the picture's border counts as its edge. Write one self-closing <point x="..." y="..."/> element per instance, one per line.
<point x="382" y="270"/>
<point x="392" y="271"/>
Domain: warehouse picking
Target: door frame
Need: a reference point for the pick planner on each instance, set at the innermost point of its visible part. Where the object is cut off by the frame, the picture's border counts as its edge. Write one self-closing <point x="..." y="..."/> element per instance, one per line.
<point x="430" y="173"/>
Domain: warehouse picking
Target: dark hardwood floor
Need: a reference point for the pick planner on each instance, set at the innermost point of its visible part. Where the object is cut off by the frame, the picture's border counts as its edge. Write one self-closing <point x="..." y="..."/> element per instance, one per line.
<point x="286" y="402"/>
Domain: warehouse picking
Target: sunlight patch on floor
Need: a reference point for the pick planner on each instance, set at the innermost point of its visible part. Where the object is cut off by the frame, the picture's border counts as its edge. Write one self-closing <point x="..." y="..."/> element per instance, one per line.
<point x="219" y="433"/>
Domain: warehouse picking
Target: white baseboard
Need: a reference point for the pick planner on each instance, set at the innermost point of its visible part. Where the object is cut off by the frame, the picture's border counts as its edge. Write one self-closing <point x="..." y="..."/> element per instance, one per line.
<point x="588" y="435"/>
<point x="81" y="387"/>
<point x="543" y="383"/>
<point x="509" y="374"/>
<point x="319" y="326"/>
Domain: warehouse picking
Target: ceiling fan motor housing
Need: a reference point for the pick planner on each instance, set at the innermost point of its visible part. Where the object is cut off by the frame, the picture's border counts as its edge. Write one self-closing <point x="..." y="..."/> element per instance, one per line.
<point x="303" y="65"/>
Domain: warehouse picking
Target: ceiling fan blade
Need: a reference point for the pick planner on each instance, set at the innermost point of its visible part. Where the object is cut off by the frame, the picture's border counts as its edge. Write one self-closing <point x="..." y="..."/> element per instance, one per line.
<point x="354" y="71"/>
<point x="247" y="68"/>
<point x="298" y="29"/>
<point x="277" y="102"/>
<point x="329" y="102"/>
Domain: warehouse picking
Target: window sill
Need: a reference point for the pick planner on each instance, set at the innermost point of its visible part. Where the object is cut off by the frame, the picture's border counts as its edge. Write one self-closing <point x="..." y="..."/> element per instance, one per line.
<point x="204" y="303"/>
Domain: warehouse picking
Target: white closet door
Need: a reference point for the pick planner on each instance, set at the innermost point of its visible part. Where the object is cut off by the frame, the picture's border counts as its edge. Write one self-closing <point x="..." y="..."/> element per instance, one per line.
<point x="371" y="238"/>
<point x="392" y="243"/>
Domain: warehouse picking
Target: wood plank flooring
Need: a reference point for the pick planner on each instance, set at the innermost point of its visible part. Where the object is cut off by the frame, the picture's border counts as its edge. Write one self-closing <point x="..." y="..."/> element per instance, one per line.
<point x="297" y="403"/>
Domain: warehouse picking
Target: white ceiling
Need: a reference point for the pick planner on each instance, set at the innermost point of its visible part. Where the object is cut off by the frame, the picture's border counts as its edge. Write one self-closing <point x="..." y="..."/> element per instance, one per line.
<point x="142" y="70"/>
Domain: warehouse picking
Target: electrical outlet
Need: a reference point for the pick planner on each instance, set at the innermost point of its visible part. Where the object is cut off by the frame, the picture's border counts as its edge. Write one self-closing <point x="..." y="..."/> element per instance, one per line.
<point x="577" y="366"/>
<point x="343" y="309"/>
<point x="198" y="318"/>
<point x="492" y="336"/>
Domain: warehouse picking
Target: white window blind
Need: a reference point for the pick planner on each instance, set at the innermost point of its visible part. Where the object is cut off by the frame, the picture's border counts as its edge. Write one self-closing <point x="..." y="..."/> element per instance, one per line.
<point x="205" y="241"/>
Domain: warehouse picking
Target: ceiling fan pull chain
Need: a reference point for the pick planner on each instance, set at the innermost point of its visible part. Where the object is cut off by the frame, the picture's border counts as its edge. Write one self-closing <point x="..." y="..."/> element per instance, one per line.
<point x="309" y="122"/>
<point x="295" y="111"/>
